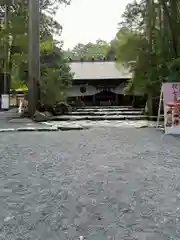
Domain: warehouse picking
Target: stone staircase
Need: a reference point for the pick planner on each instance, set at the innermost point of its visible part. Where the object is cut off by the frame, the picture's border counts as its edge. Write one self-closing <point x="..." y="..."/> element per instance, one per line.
<point x="103" y="113"/>
<point x="90" y="117"/>
<point x="10" y="114"/>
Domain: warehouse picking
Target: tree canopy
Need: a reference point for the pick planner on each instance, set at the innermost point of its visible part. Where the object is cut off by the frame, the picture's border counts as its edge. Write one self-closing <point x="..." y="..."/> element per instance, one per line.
<point x="18" y="44"/>
<point x="98" y="51"/>
<point x="148" y="41"/>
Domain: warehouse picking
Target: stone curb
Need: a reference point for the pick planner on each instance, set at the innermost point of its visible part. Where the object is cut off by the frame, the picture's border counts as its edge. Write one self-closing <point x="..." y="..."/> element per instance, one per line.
<point x="159" y="128"/>
<point x="50" y="129"/>
<point x="68" y="128"/>
<point x="101" y="118"/>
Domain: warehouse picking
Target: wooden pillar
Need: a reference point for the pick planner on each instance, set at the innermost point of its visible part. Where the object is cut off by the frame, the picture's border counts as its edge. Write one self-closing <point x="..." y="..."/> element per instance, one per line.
<point x="94" y="100"/>
<point x="17" y="100"/>
<point x="134" y="101"/>
<point x="116" y="100"/>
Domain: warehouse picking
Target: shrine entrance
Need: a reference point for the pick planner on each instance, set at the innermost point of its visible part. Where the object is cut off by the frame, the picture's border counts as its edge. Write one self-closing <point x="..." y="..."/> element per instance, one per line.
<point x="105" y="98"/>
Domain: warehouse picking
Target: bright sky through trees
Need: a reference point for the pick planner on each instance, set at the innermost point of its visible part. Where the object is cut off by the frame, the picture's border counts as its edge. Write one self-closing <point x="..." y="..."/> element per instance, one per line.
<point x="88" y="20"/>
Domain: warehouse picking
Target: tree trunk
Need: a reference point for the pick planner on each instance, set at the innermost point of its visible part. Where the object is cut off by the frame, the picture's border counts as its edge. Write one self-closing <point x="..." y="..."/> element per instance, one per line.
<point x="171" y="15"/>
<point x="150" y="24"/>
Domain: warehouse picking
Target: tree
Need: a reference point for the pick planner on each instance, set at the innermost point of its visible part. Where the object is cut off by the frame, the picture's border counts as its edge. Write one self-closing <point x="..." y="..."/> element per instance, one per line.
<point x="97" y="50"/>
<point x="56" y="75"/>
<point x="54" y="81"/>
<point x="148" y="41"/>
<point x="18" y="29"/>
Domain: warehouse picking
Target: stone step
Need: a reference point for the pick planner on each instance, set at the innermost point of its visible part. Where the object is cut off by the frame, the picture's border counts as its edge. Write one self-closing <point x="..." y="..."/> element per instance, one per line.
<point x="104" y="113"/>
<point x="9" y="114"/>
<point x="107" y="109"/>
<point x="95" y="107"/>
<point x="98" y="118"/>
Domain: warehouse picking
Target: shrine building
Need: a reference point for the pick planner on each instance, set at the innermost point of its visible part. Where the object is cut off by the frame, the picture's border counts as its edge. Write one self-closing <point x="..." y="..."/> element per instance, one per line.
<point x="99" y="83"/>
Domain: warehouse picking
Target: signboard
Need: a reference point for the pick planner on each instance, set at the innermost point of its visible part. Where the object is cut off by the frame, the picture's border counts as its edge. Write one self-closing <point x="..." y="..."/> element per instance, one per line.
<point x="171" y="96"/>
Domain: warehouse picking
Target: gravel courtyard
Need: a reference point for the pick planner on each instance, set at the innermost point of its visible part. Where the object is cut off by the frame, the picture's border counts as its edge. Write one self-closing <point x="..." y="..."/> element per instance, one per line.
<point x="103" y="184"/>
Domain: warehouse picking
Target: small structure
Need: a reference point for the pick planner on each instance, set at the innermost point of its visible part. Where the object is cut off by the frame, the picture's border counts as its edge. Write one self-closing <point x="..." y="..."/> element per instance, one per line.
<point x="99" y="82"/>
<point x="18" y="96"/>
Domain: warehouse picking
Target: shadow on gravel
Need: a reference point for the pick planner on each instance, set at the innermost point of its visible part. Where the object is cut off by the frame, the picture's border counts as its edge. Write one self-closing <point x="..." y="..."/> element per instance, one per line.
<point x="175" y="136"/>
<point x="73" y="129"/>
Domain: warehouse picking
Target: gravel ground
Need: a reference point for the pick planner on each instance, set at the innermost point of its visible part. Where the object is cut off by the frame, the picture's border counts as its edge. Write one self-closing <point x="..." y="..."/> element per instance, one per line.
<point x="103" y="184"/>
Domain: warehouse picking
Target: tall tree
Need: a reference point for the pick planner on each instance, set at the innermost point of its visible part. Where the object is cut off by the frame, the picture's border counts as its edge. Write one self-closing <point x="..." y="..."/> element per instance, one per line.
<point x="150" y="44"/>
<point x="18" y="29"/>
<point x="55" y="73"/>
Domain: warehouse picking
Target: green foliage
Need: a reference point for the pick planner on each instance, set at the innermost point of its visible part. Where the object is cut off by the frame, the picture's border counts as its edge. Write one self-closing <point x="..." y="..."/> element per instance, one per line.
<point x="18" y="35"/>
<point x="97" y="50"/>
<point x="54" y="84"/>
<point x="56" y="76"/>
<point x="134" y="16"/>
<point x="148" y="41"/>
<point x="127" y="45"/>
<point x="16" y="84"/>
<point x="46" y="46"/>
<point x="55" y="73"/>
<point x="52" y="91"/>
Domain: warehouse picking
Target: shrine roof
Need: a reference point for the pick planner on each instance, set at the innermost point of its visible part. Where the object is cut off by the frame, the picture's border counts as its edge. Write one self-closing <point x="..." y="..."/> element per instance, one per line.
<point x="99" y="70"/>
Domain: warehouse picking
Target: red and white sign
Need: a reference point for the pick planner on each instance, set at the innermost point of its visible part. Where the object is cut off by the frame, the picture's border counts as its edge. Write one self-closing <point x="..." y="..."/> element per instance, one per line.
<point x="171" y="95"/>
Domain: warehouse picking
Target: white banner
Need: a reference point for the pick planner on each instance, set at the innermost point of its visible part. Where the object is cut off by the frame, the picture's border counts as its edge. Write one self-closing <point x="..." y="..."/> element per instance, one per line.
<point x="5" y="101"/>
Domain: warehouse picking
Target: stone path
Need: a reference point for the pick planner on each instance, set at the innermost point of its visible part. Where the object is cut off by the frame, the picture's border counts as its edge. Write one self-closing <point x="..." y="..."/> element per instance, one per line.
<point x="17" y="125"/>
<point x="94" y="124"/>
<point x="82" y="118"/>
<point x="103" y="184"/>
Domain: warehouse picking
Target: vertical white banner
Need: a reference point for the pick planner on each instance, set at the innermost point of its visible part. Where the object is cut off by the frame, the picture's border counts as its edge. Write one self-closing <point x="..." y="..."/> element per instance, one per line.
<point x="5" y="101"/>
